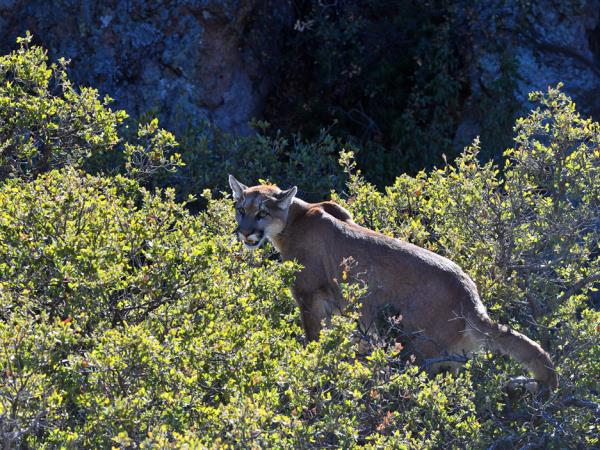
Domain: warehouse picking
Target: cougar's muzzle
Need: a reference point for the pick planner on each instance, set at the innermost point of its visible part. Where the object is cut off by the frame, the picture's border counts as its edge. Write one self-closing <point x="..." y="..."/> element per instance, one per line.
<point x="252" y="239"/>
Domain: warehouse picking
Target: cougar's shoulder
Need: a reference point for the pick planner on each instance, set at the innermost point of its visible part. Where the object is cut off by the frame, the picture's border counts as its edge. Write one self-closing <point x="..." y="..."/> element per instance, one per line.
<point x="335" y="210"/>
<point x="309" y="218"/>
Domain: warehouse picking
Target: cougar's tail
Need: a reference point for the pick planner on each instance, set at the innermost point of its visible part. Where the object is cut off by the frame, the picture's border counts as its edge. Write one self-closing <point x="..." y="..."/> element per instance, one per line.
<point x="517" y="346"/>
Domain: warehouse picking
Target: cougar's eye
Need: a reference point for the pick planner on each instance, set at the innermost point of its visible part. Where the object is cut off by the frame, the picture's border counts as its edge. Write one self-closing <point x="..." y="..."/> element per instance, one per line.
<point x="241" y="210"/>
<point x="262" y="214"/>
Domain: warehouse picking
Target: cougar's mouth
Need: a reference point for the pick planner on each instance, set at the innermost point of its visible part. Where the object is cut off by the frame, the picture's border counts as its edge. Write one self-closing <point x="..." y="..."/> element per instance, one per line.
<point x="254" y="241"/>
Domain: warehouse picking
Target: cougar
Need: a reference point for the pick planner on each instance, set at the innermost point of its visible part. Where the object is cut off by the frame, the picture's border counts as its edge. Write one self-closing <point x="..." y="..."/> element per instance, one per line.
<point x="439" y="304"/>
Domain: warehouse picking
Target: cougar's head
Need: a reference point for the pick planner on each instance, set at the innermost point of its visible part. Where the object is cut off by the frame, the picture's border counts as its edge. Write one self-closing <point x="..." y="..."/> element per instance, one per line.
<point x="261" y="211"/>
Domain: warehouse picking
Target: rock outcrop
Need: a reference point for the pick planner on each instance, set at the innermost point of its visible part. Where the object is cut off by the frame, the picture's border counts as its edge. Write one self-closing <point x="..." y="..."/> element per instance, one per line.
<point x="530" y="45"/>
<point x="189" y="60"/>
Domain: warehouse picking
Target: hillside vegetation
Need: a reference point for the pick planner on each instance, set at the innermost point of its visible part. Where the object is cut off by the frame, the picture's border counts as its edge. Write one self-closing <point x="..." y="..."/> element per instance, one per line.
<point x="128" y="321"/>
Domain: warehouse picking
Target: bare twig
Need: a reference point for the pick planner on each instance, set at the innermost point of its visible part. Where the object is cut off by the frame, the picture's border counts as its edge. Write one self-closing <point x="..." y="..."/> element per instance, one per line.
<point x="580" y="403"/>
<point x="579" y="285"/>
<point x="445" y="358"/>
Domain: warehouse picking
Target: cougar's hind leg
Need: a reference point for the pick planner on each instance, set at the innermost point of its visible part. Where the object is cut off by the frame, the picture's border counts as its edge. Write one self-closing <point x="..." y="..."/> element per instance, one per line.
<point x="447" y="350"/>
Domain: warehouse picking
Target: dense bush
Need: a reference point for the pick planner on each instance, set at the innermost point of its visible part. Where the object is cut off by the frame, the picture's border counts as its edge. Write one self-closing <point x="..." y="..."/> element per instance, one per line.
<point x="128" y="322"/>
<point x="47" y="123"/>
<point x="44" y="121"/>
<point x="210" y="155"/>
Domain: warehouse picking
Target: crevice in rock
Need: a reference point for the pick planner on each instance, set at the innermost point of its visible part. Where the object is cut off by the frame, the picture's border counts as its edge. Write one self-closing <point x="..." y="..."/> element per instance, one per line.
<point x="594" y="42"/>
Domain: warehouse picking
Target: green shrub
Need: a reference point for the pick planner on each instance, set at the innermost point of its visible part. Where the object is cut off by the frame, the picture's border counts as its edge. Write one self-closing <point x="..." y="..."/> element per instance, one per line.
<point x="44" y="121"/>
<point x="47" y="123"/>
<point x="210" y="155"/>
<point x="126" y="321"/>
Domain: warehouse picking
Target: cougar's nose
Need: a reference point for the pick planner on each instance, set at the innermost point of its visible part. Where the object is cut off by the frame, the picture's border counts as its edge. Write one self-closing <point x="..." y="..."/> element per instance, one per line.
<point x="244" y="232"/>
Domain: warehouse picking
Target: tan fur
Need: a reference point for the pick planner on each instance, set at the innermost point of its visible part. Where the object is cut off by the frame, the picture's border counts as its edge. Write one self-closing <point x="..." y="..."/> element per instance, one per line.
<point x="439" y="303"/>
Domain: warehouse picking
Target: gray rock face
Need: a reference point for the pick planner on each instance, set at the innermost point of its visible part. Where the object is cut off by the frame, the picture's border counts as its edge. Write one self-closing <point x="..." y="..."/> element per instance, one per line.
<point x="535" y="44"/>
<point x="189" y="60"/>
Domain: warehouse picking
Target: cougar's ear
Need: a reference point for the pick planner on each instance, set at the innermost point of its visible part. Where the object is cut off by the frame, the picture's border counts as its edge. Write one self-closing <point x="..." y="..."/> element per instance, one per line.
<point x="237" y="188"/>
<point x="284" y="198"/>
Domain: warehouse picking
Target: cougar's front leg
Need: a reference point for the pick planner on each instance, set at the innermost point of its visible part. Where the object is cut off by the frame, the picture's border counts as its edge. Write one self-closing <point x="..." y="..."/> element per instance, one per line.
<point x="311" y="324"/>
<point x="312" y="312"/>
